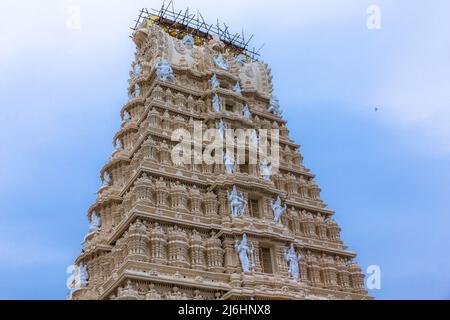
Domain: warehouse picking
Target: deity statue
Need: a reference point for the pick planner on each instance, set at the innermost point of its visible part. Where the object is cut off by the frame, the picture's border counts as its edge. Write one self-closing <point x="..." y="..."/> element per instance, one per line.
<point x="221" y="127"/>
<point x="229" y="162"/>
<point x="237" y="88"/>
<point x="164" y="71"/>
<point x="78" y="278"/>
<point x="106" y="179"/>
<point x="118" y="145"/>
<point x="254" y="139"/>
<point x="274" y="107"/>
<point x="277" y="209"/>
<point x="246" y="253"/>
<point x="216" y="103"/>
<point x="126" y="117"/>
<point x="292" y="259"/>
<point x="188" y="41"/>
<point x="95" y="223"/>
<point x="237" y="203"/>
<point x="214" y="82"/>
<point x="265" y="170"/>
<point x="221" y="62"/>
<point x="246" y="112"/>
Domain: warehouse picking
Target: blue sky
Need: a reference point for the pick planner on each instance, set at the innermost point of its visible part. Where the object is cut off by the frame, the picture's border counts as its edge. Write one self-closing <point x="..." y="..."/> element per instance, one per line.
<point x="385" y="172"/>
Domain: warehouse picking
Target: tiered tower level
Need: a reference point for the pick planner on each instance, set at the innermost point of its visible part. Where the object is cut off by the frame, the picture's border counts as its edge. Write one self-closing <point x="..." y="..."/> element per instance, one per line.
<point x="165" y="231"/>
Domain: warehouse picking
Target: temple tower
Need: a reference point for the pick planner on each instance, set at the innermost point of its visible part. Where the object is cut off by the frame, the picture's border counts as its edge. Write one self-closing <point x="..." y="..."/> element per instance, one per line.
<point x="161" y="228"/>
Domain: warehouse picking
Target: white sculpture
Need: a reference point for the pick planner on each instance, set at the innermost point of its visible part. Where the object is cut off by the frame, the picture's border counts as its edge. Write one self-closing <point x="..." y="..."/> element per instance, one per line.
<point x="246" y="112"/>
<point x="95" y="223"/>
<point x="237" y="88"/>
<point x="188" y="41"/>
<point x="229" y="162"/>
<point x="106" y="179"/>
<point x="118" y="145"/>
<point x="277" y="209"/>
<point x="292" y="259"/>
<point x="254" y="139"/>
<point x="214" y="82"/>
<point x="221" y="127"/>
<point x="83" y="275"/>
<point x="78" y="278"/>
<point x="274" y="107"/>
<point x="245" y="253"/>
<point x="216" y="103"/>
<point x="164" y="71"/>
<point x="237" y="203"/>
<point x="221" y="62"/>
<point x="265" y="170"/>
<point x="126" y="116"/>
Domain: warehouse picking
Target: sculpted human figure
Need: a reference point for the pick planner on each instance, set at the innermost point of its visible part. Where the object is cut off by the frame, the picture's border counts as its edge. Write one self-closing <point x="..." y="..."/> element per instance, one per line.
<point x="164" y="71"/>
<point x="292" y="259"/>
<point x="214" y="82"/>
<point x="245" y="252"/>
<point x="237" y="203"/>
<point x="277" y="209"/>
<point x="95" y="223"/>
<point x="229" y="162"/>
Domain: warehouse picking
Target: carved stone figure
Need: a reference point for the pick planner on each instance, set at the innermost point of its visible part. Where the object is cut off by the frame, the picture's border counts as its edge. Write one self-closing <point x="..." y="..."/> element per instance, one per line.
<point x="246" y="253"/>
<point x="221" y="127"/>
<point x="188" y="41"/>
<point x="246" y="112"/>
<point x="265" y="170"/>
<point x="164" y="71"/>
<point x="292" y="259"/>
<point x="237" y="88"/>
<point x="214" y="82"/>
<point x="277" y="209"/>
<point x="254" y="139"/>
<point x="221" y="62"/>
<point x="237" y="203"/>
<point x="95" y="223"/>
<point x="216" y="103"/>
<point x="229" y="162"/>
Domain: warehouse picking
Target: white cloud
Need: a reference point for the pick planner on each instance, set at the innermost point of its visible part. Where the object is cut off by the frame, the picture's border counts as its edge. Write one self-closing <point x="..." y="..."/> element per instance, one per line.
<point x="416" y="88"/>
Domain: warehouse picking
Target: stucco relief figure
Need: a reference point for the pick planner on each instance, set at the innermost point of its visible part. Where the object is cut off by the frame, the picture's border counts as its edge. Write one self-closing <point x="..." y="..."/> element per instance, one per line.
<point x="214" y="82"/>
<point x="95" y="223"/>
<point x="237" y="203"/>
<point x="79" y="277"/>
<point x="245" y="252"/>
<point x="277" y="209"/>
<point x="221" y="127"/>
<point x="292" y="259"/>
<point x="265" y="170"/>
<point x="275" y="106"/>
<point x="221" y="62"/>
<point x="216" y="103"/>
<point x="254" y="139"/>
<point x="106" y="179"/>
<point x="237" y="88"/>
<point x="118" y="145"/>
<point x="164" y="71"/>
<point x="188" y="41"/>
<point x="229" y="162"/>
<point x="246" y="112"/>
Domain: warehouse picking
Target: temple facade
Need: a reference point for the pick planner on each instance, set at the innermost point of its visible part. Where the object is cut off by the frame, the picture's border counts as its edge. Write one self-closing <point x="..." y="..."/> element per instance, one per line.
<point x="161" y="229"/>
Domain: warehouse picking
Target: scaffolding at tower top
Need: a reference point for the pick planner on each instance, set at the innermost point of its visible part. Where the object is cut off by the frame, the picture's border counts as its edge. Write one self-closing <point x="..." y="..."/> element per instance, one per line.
<point x="184" y="22"/>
